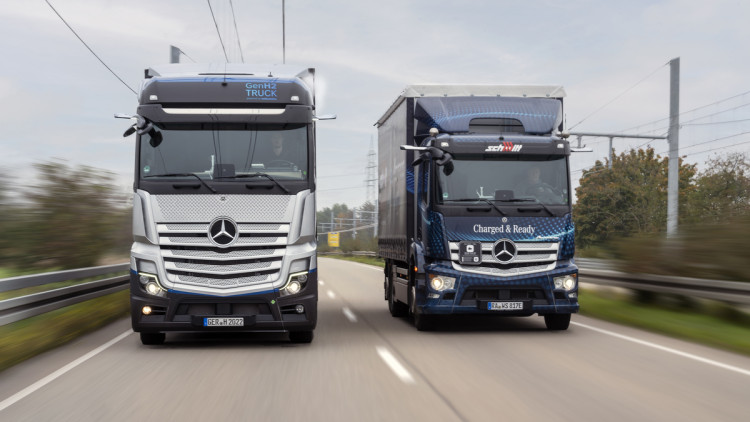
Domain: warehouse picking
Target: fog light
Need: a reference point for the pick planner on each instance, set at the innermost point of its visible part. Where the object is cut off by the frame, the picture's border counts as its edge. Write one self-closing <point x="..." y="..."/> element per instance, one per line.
<point x="302" y="278"/>
<point x="146" y="310"/>
<point x="300" y="309"/>
<point x="573" y="295"/>
<point x="144" y="279"/>
<point x="293" y="287"/>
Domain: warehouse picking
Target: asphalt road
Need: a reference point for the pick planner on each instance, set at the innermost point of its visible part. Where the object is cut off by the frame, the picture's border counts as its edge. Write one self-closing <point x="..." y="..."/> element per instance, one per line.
<point x="365" y="365"/>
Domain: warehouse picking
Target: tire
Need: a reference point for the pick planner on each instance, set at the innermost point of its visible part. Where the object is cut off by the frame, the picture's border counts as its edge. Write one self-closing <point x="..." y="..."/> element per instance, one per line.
<point x="153" y="339"/>
<point x="301" y="336"/>
<point x="396" y="308"/>
<point x="557" y="322"/>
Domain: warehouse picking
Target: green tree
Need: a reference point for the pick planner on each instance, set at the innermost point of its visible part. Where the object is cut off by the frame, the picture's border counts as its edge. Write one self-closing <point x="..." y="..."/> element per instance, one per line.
<point x="722" y="191"/>
<point x="629" y="199"/>
<point x="70" y="218"/>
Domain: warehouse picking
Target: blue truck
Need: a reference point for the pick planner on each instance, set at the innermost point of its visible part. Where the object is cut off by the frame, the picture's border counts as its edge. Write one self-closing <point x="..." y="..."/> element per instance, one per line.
<point x="475" y="204"/>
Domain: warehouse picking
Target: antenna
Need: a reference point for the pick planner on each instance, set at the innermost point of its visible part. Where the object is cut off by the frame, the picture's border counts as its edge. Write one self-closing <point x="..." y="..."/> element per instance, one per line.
<point x="283" y="31"/>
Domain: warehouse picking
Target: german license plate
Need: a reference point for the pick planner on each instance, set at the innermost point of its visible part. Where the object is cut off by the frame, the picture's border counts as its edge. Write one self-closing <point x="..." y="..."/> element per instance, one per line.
<point x="223" y="322"/>
<point x="504" y="306"/>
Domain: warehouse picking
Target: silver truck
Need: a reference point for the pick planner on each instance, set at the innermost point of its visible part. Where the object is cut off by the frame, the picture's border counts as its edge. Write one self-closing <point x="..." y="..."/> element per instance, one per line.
<point x="224" y="203"/>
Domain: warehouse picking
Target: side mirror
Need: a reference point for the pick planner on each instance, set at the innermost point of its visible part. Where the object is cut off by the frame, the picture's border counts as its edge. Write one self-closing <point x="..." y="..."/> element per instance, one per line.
<point x="156" y="138"/>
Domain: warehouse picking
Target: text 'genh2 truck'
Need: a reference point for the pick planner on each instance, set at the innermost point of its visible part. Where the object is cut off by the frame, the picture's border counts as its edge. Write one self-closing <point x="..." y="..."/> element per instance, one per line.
<point x="224" y="203"/>
<point x="475" y="204"/>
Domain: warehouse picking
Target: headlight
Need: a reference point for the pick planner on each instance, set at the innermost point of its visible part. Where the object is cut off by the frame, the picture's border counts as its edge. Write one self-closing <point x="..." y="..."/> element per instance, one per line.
<point x="441" y="282"/>
<point x="151" y="284"/>
<point x="295" y="284"/>
<point x="567" y="282"/>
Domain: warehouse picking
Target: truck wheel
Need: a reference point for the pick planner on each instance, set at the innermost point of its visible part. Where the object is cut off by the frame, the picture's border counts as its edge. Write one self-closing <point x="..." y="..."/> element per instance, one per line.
<point x="396" y="308"/>
<point x="557" y="322"/>
<point x="301" y="336"/>
<point x="153" y="339"/>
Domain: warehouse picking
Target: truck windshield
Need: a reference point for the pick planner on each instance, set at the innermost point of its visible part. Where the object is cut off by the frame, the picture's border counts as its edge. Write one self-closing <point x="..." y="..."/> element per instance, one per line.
<point x="226" y="152"/>
<point x="528" y="179"/>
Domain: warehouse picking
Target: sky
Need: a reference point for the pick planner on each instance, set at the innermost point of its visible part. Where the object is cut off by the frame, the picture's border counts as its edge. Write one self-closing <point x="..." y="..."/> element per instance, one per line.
<point x="612" y="58"/>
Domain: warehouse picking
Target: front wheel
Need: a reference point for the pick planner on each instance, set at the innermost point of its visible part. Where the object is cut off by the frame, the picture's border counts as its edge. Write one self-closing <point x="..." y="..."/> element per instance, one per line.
<point x="557" y="322"/>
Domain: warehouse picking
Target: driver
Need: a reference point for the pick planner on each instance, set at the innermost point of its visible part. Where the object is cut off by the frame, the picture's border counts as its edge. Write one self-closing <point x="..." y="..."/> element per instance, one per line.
<point x="532" y="183"/>
<point x="280" y="156"/>
<point x="534" y="186"/>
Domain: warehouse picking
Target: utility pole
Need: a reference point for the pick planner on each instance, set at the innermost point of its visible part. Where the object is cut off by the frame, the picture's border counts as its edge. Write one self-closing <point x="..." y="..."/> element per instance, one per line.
<point x="673" y="137"/>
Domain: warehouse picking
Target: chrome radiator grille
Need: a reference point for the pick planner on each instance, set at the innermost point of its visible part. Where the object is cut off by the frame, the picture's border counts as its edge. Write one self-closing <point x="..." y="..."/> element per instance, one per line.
<point x="532" y="257"/>
<point x="191" y="258"/>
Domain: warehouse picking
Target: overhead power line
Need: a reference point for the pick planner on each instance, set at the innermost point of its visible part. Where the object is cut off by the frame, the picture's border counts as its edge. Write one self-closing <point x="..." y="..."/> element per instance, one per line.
<point x="696" y="109"/>
<point x="217" y="30"/>
<point x="89" y="48"/>
<point x="618" y="96"/>
<point x="234" y="18"/>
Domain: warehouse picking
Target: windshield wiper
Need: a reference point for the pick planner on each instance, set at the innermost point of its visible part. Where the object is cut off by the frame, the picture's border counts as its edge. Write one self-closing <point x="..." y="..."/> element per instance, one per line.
<point x="528" y="200"/>
<point x="183" y="175"/>
<point x="486" y="201"/>
<point x="267" y="176"/>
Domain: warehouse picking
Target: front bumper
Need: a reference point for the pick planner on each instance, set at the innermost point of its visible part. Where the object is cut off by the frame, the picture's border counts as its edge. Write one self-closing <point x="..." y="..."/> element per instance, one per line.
<point x="473" y="293"/>
<point x="263" y="311"/>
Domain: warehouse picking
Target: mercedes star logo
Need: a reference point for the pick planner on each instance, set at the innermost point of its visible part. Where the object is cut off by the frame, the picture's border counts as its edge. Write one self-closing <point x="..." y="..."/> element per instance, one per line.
<point x="223" y="232"/>
<point x="504" y="251"/>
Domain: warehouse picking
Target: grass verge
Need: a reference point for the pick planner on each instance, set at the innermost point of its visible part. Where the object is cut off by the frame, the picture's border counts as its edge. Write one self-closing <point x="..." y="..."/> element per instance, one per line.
<point x="27" y="338"/>
<point x="713" y="325"/>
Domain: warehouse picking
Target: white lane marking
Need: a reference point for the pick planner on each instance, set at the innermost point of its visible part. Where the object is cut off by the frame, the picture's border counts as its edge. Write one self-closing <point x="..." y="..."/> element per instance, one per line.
<point x="349" y="314"/>
<point x="667" y="349"/>
<point x="60" y="372"/>
<point x="372" y="267"/>
<point x="331" y="294"/>
<point x="395" y="365"/>
<point x="321" y="282"/>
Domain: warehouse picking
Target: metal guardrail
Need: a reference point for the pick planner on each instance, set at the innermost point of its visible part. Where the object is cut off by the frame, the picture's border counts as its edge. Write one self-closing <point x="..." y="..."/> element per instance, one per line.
<point x="735" y="292"/>
<point x="22" y="307"/>
<point x="16" y="309"/>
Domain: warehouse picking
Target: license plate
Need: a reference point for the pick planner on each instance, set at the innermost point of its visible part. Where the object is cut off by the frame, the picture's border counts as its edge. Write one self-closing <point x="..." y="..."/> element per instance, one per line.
<point x="504" y="306"/>
<point x="223" y="322"/>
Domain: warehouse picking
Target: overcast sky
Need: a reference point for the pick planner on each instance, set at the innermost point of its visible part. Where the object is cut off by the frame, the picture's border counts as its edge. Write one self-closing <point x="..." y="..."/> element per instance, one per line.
<point x="58" y="100"/>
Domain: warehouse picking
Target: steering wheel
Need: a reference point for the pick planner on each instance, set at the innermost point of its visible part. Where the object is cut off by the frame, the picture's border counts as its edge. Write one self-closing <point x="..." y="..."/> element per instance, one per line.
<point x="282" y="163"/>
<point x="543" y="189"/>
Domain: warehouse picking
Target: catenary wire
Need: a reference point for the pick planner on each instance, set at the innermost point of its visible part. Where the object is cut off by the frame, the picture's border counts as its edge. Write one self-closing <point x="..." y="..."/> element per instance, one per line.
<point x="185" y="54"/>
<point x="217" y="30"/>
<point x="618" y="96"/>
<point x="89" y="48"/>
<point x="234" y="19"/>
